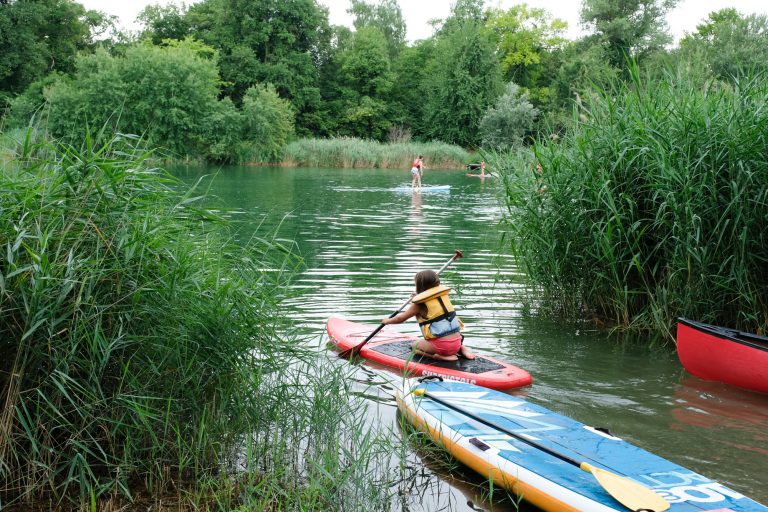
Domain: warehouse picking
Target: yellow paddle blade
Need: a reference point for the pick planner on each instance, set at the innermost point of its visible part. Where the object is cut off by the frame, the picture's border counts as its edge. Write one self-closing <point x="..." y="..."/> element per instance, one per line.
<point x="631" y="494"/>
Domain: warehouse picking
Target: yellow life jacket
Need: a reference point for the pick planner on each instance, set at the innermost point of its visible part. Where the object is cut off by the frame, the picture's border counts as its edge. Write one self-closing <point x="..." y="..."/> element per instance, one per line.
<point x="440" y="319"/>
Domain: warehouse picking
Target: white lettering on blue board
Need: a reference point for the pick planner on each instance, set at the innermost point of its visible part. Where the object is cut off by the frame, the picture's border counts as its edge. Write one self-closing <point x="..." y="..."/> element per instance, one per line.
<point x="711" y="492"/>
<point x="672" y="479"/>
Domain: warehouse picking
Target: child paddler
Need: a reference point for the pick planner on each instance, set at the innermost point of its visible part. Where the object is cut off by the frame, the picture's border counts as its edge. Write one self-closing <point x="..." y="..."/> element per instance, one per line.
<point x="437" y="318"/>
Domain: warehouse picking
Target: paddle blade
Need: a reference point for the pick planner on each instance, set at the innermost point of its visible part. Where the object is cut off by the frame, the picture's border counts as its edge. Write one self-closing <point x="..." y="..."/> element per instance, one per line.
<point x="629" y="493"/>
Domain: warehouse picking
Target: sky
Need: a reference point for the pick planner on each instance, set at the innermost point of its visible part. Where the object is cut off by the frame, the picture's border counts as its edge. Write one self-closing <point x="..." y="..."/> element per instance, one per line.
<point x="417" y="13"/>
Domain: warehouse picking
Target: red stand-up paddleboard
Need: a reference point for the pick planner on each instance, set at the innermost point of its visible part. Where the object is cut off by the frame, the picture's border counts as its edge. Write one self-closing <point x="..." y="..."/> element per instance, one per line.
<point x="393" y="349"/>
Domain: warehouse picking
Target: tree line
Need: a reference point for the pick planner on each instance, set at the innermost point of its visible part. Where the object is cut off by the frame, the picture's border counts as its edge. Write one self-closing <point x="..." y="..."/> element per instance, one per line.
<point x="236" y="79"/>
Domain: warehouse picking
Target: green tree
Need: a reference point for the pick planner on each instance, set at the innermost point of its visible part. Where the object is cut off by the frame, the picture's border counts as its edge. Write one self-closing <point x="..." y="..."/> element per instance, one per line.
<point x="585" y="65"/>
<point x="331" y="82"/>
<point x="41" y="36"/>
<point x="632" y="28"/>
<point x="385" y="16"/>
<point x="523" y="35"/>
<point x="409" y="87"/>
<point x="462" y="81"/>
<point x="729" y="43"/>
<point x="167" y="94"/>
<point x="365" y="85"/>
<point x="164" y="22"/>
<point x="365" y="64"/>
<point x="506" y="123"/>
<point x="463" y="12"/>
<point x="268" y="41"/>
<point x="268" y="122"/>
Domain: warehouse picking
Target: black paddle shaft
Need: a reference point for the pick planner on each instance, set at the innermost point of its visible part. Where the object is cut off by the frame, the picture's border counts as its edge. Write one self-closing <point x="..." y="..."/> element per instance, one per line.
<point x="381" y="326"/>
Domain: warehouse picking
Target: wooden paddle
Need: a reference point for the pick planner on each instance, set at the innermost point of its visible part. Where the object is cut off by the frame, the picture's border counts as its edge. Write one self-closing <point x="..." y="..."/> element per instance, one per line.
<point x="629" y="493"/>
<point x="356" y="349"/>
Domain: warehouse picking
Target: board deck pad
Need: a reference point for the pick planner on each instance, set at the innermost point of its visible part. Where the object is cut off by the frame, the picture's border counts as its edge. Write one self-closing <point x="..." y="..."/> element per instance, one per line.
<point x="393" y="349"/>
<point x="402" y="350"/>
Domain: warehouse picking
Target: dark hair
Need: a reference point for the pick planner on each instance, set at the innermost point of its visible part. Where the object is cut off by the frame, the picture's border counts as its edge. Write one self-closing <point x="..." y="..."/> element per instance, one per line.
<point x="425" y="280"/>
<point x="421" y="156"/>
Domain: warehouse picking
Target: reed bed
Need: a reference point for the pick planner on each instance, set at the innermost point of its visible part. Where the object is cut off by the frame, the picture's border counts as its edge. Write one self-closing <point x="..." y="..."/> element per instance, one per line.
<point x="144" y="355"/>
<point x="344" y="152"/>
<point x="652" y="206"/>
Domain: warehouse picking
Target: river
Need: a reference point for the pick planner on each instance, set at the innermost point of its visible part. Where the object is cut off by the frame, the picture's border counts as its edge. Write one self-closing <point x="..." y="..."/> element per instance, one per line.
<point x="362" y="240"/>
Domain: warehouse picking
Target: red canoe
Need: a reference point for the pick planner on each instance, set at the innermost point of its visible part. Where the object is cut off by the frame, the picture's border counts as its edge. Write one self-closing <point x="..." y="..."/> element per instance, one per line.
<point x="393" y="349"/>
<point x="724" y="355"/>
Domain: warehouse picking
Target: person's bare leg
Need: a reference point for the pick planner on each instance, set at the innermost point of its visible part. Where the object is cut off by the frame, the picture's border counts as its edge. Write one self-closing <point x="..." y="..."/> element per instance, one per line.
<point x="466" y="352"/>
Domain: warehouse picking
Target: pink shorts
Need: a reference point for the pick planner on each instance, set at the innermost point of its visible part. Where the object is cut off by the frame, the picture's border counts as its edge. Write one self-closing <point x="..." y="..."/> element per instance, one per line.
<point x="448" y="345"/>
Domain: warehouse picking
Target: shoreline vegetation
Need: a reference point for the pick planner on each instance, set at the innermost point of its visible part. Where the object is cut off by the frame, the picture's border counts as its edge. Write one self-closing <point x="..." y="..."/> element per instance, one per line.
<point x="143" y="353"/>
<point x="353" y="153"/>
<point x="661" y="191"/>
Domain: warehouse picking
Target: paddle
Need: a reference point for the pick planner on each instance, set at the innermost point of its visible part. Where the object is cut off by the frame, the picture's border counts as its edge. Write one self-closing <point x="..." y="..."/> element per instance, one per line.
<point x="356" y="349"/>
<point x="631" y="494"/>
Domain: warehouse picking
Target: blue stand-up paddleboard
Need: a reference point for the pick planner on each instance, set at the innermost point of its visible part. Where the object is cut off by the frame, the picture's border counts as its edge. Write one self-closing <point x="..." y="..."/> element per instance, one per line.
<point x="536" y="453"/>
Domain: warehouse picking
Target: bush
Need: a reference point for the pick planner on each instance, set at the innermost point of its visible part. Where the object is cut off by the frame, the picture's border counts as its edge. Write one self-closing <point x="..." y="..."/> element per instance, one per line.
<point x="506" y="123"/>
<point x="168" y="95"/>
<point x="268" y="123"/>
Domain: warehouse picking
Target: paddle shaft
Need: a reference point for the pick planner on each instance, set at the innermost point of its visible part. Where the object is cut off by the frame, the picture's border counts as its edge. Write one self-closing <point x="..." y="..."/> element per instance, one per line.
<point x="356" y="349"/>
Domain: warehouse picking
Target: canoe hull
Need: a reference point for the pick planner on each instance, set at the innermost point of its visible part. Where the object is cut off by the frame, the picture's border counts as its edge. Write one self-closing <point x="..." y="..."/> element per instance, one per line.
<point x="393" y="349"/>
<point x="724" y="355"/>
<point x="541" y="479"/>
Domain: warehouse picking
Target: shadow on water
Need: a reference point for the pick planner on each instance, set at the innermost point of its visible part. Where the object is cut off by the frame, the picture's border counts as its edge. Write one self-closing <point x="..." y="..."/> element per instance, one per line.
<point x="362" y="241"/>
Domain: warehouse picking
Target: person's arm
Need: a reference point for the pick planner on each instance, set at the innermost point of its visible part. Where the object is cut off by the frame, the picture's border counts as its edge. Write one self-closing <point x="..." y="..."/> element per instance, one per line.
<point x="411" y="310"/>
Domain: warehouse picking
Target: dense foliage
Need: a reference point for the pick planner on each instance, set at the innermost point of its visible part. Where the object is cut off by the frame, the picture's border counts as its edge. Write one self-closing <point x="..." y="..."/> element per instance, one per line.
<point x="169" y="95"/>
<point x="40" y="37"/>
<point x="505" y="124"/>
<point x="238" y="80"/>
<point x="731" y="44"/>
<point x="365" y="83"/>
<point x="141" y="350"/>
<point x="653" y="206"/>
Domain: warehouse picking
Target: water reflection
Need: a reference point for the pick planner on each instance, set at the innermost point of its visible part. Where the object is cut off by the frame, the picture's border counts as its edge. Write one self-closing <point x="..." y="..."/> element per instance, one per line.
<point x="414" y="220"/>
<point x="362" y="241"/>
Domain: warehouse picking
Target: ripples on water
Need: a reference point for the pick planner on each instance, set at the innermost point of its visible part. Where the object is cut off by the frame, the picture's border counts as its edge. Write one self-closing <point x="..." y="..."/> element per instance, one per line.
<point x="362" y="241"/>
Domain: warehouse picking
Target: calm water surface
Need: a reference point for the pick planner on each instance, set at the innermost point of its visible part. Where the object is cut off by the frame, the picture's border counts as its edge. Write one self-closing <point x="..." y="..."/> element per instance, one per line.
<point x="362" y="241"/>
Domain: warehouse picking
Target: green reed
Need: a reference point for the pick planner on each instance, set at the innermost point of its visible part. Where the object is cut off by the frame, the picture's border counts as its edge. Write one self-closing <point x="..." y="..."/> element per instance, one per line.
<point x="346" y="152"/>
<point x="142" y="353"/>
<point x="652" y="206"/>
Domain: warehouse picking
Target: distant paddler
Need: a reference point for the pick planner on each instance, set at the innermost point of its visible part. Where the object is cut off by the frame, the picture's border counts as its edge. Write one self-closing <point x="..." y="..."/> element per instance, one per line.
<point x="417" y="170"/>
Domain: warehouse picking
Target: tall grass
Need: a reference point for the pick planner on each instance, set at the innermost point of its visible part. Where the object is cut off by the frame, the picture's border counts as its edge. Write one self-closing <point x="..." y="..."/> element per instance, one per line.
<point x="654" y="205"/>
<point x="140" y="351"/>
<point x="347" y="152"/>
